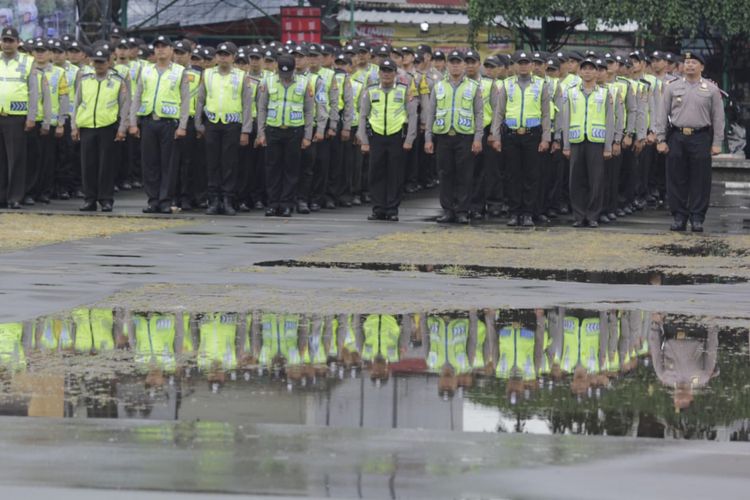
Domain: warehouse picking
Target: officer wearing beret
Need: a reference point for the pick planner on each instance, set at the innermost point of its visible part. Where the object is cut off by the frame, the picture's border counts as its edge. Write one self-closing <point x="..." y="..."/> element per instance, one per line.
<point x="689" y="129"/>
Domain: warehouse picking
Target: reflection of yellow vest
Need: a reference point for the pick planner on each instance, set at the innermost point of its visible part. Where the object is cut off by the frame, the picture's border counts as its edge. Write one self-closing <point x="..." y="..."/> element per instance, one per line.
<point x="581" y="344"/>
<point x="154" y="340"/>
<point x="217" y="342"/>
<point x="516" y="353"/>
<point x="280" y="335"/>
<point x="56" y="332"/>
<point x="93" y="330"/>
<point x="316" y="351"/>
<point x="12" y="355"/>
<point x="381" y="333"/>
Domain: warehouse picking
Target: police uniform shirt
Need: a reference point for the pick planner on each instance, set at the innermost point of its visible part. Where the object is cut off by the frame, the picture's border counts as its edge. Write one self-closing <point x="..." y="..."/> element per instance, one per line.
<point x="478" y="109"/>
<point x="46" y="99"/>
<point x="426" y="84"/>
<point x="247" y="107"/>
<point x="501" y="102"/>
<point x="308" y="109"/>
<point x="62" y="97"/>
<point x="31" y="84"/>
<point x="333" y="98"/>
<point x="693" y="105"/>
<point x="184" y="96"/>
<point x="411" y="114"/>
<point x="123" y="100"/>
<point x="609" y="125"/>
<point x="619" y="107"/>
<point x="347" y="114"/>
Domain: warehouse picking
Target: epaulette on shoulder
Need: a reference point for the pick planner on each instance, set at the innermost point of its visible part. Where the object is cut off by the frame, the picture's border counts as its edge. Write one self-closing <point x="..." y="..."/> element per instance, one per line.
<point x="84" y="76"/>
<point x="645" y="82"/>
<point x="374" y="85"/>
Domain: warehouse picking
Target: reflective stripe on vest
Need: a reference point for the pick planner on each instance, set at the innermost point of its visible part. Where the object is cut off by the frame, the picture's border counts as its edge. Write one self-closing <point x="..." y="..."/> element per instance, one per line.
<point x="286" y="105"/>
<point x="523" y="107"/>
<point x="454" y="109"/>
<point x="161" y="92"/>
<point x="223" y="95"/>
<point x="387" y="109"/>
<point x="56" y="333"/>
<point x="588" y="115"/>
<point x="14" y="88"/>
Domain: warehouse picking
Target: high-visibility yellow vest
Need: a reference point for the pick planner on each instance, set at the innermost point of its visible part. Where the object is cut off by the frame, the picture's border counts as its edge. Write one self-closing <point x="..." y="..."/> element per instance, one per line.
<point x="447" y="345"/>
<point x="286" y="105"/>
<point x="14" y="87"/>
<point x="588" y="115"/>
<point x="387" y="109"/>
<point x="552" y="83"/>
<point x="12" y="354"/>
<point x="71" y="74"/>
<point x="217" y="342"/>
<point x="93" y="330"/>
<point x="161" y="92"/>
<point x="523" y="108"/>
<point x="135" y="68"/>
<point x="580" y="344"/>
<point x="317" y="333"/>
<point x="99" y="105"/>
<point x="486" y="92"/>
<point x="223" y="95"/>
<point x="381" y="332"/>
<point x="57" y="86"/>
<point x="252" y="87"/>
<point x="454" y="109"/>
<point x="194" y="81"/>
<point x="516" y="353"/>
<point x="280" y="335"/>
<point x="154" y="340"/>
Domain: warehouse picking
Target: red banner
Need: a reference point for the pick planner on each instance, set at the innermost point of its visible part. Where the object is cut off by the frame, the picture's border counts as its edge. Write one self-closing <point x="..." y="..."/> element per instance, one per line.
<point x="301" y="24"/>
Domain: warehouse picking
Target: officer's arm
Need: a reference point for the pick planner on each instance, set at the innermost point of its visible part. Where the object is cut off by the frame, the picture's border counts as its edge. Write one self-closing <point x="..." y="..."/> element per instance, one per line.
<point x="412" y="119"/>
<point x="46" y="103"/>
<point x="712" y="348"/>
<point x="652" y="107"/>
<point x="641" y="116"/>
<point x="136" y="104"/>
<point x="364" y="111"/>
<point x="430" y="113"/>
<point x="184" y="100"/>
<point x="262" y="110"/>
<point x="478" y="114"/>
<point x="717" y="118"/>
<point x="309" y="106"/>
<point x="609" y="136"/>
<point x="200" y="102"/>
<point x="123" y="99"/>
<point x="619" y="121"/>
<point x="632" y="108"/>
<point x="424" y="99"/>
<point x="76" y="103"/>
<point x="546" y="121"/>
<point x="564" y="117"/>
<point x="333" y="105"/>
<point x="247" y="107"/>
<point x="63" y="99"/>
<point x="654" y="345"/>
<point x="498" y="116"/>
<point x="322" y="107"/>
<point x="348" y="111"/>
<point x="33" y="106"/>
<point x="662" y="115"/>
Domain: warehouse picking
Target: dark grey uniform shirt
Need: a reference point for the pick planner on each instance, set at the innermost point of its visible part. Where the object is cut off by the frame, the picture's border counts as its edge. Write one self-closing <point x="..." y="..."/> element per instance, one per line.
<point x="691" y="104"/>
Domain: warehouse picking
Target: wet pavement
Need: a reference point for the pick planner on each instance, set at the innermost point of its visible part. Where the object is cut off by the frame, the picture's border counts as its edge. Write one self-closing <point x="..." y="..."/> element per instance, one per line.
<point x="152" y="360"/>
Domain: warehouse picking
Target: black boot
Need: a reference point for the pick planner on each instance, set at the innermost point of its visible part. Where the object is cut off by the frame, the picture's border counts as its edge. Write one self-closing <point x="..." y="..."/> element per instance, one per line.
<point x="213" y="207"/>
<point x="229" y="206"/>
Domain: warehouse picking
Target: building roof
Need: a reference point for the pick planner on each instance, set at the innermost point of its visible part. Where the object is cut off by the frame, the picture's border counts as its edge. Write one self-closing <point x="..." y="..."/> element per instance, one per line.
<point x="149" y="13"/>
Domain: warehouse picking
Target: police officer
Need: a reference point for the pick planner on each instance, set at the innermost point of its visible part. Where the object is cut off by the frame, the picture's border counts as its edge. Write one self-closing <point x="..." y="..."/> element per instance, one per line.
<point x="251" y="188"/>
<point x="102" y="99"/>
<point x="488" y="154"/>
<point x="343" y="152"/>
<point x="455" y="117"/>
<point x="588" y="127"/>
<point x="227" y="104"/>
<point x="693" y="107"/>
<point x="38" y="140"/>
<point x="285" y="127"/>
<point x="522" y="106"/>
<point x="384" y="111"/>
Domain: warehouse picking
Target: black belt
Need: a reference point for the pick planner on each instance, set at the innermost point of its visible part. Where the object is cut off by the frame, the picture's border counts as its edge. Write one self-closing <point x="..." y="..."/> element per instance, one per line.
<point x="524" y="130"/>
<point x="690" y="131"/>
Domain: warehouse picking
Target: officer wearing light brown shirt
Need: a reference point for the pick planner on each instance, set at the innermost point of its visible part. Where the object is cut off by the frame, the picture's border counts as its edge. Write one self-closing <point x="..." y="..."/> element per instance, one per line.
<point x="689" y="129"/>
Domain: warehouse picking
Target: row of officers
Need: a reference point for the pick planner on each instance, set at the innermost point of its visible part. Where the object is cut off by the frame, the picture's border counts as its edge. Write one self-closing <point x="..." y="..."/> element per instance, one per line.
<point x="295" y="126"/>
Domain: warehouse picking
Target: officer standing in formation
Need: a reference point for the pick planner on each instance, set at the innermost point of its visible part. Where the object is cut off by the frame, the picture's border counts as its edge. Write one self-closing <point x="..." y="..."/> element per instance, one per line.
<point x="689" y="129"/>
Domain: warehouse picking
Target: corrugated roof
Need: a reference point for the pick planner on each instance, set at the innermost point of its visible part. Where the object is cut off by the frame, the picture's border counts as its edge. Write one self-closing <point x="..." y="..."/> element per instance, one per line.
<point x="407" y="4"/>
<point x="197" y="12"/>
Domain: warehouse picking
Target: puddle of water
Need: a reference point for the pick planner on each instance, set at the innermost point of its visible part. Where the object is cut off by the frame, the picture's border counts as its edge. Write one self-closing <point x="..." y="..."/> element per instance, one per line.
<point x="633" y="277"/>
<point x="554" y="371"/>
<point x="127" y="265"/>
<point x="119" y="256"/>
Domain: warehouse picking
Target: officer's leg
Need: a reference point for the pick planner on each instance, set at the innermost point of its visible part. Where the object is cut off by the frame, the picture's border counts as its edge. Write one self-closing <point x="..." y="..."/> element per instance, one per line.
<point x="530" y="173"/>
<point x="150" y="157"/>
<point x="394" y="184"/>
<point x="213" y="162"/>
<point x="258" y="175"/>
<point x="4" y="162"/>
<point x="16" y="147"/>
<point x="335" y="169"/>
<point x="677" y="178"/>
<point x="463" y="173"/>
<point x="48" y="153"/>
<point x="243" y="176"/>
<point x="33" y="160"/>
<point x="136" y="172"/>
<point x="512" y="152"/>
<point x="184" y="163"/>
<point x="199" y="187"/>
<point x="292" y="169"/>
<point x="625" y="190"/>
<point x="595" y="174"/>
<point x="274" y="166"/>
<point x="107" y="171"/>
<point x="89" y="164"/>
<point x="355" y="172"/>
<point x="167" y="168"/>
<point x="378" y="173"/>
<point x="699" y="160"/>
<point x="612" y="178"/>
<point x="444" y="146"/>
<point x="478" y="188"/>
<point x="320" y="176"/>
<point x="306" y="173"/>
<point x="579" y="186"/>
<point x="494" y="191"/>
<point x="230" y="150"/>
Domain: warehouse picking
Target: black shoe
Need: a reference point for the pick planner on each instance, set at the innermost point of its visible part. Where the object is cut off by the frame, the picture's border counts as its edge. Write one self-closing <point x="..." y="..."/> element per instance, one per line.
<point x="214" y="208"/>
<point x="244" y="207"/>
<point x="551" y="213"/>
<point x="329" y="205"/>
<point x="302" y="208"/>
<point x="79" y="194"/>
<point x="446" y="218"/>
<point x="696" y="226"/>
<point x="356" y="201"/>
<point x="430" y="184"/>
<point x="345" y="204"/>
<point x="411" y="188"/>
<point x="603" y="219"/>
<point x="611" y="216"/>
<point x="462" y="219"/>
<point x="628" y="210"/>
<point x="259" y="205"/>
<point x="166" y="209"/>
<point x="366" y="198"/>
<point x="286" y="212"/>
<point x="228" y="207"/>
<point x="314" y="207"/>
<point x="376" y="217"/>
<point x="527" y="221"/>
<point x="513" y="221"/>
<point x="28" y="200"/>
<point x="495" y="212"/>
<point x="116" y="188"/>
<point x="593" y="224"/>
<point x="578" y="223"/>
<point x="678" y="225"/>
<point x="136" y="185"/>
<point x="151" y="209"/>
<point x="64" y="195"/>
<point x="542" y="219"/>
<point x="106" y="206"/>
<point x="186" y="206"/>
<point x="203" y="204"/>
<point x="392" y="218"/>
<point x="43" y="198"/>
<point x="89" y="206"/>
<point x="620" y="212"/>
<point x="564" y="210"/>
<point x="126" y="186"/>
<point x="476" y="215"/>
<point x="271" y="212"/>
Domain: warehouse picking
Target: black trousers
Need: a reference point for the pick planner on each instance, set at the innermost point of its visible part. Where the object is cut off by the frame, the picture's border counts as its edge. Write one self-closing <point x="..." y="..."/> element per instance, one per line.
<point x="482" y="165"/>
<point x="336" y="188"/>
<point x="657" y="176"/>
<point x="321" y="167"/>
<point x="249" y="173"/>
<point x="12" y="159"/>
<point x="612" y="180"/>
<point x="628" y="171"/>
<point x="307" y="169"/>
<point x="97" y="170"/>
<point x="689" y="175"/>
<point x="134" y="157"/>
<point x="427" y="164"/>
<point x="386" y="172"/>
<point x="646" y="160"/>
<point x="47" y="161"/>
<point x="283" y="156"/>
<point x="555" y="170"/>
<point x="356" y="171"/>
<point x="455" y="164"/>
<point x="222" y="155"/>
<point x="185" y="159"/>
<point x="68" y="169"/>
<point x="34" y="155"/>
<point x="587" y="180"/>
<point x="157" y="144"/>
<point x="522" y="167"/>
